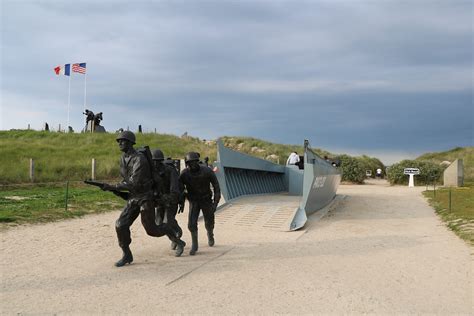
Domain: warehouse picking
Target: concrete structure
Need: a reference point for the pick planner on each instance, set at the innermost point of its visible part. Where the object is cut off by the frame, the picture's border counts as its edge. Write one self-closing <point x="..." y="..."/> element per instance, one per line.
<point x="454" y="174"/>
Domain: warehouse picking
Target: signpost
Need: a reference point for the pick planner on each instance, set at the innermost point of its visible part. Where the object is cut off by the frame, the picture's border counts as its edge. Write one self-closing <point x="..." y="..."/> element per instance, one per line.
<point x="411" y="172"/>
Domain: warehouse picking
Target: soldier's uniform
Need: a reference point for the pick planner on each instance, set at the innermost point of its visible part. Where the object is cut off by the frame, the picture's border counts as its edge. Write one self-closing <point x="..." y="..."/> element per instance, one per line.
<point x="166" y="193"/>
<point x="197" y="180"/>
<point x="137" y="180"/>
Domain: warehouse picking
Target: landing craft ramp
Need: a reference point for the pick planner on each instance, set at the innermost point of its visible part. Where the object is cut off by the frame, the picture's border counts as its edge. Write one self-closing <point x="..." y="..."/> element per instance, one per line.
<point x="259" y="193"/>
<point x="269" y="211"/>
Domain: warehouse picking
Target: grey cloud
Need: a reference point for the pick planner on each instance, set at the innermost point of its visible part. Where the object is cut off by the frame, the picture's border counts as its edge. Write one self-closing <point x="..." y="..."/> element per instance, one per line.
<point x="339" y="71"/>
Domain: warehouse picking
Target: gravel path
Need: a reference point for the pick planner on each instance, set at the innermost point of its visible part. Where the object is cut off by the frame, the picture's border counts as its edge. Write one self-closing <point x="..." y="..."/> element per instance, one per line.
<point x="383" y="250"/>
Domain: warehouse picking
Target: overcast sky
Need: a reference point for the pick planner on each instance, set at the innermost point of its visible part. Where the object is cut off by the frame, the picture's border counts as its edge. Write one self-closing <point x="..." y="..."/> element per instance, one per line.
<point x="391" y="79"/>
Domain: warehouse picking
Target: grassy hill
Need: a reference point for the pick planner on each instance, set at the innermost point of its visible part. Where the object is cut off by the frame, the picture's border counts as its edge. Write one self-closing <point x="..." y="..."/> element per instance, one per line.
<point x="277" y="153"/>
<point x="465" y="153"/>
<point x="61" y="156"/>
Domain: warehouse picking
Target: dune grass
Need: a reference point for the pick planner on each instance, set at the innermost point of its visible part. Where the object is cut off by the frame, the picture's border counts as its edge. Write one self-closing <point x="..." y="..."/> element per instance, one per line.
<point x="460" y="217"/>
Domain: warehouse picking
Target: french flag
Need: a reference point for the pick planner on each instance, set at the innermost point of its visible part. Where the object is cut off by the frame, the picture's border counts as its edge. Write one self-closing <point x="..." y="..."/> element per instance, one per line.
<point x="63" y="70"/>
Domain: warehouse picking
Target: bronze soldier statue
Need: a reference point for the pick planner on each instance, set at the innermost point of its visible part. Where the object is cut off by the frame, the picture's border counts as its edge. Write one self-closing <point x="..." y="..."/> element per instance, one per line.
<point x="97" y="118"/>
<point x="166" y="193"/>
<point x="138" y="181"/>
<point x="89" y="116"/>
<point x="197" y="179"/>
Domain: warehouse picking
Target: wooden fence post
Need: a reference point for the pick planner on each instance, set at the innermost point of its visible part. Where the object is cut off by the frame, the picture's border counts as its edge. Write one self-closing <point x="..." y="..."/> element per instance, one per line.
<point x="93" y="169"/>
<point x="32" y="170"/>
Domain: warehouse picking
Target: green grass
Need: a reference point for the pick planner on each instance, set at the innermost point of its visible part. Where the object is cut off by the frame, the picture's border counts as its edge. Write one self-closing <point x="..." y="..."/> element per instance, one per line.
<point x="47" y="203"/>
<point x="460" y="219"/>
<point x="61" y="156"/>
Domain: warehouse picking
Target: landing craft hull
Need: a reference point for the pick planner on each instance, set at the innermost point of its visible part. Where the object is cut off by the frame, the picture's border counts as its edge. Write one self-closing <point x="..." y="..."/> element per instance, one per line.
<point x="320" y="183"/>
<point x="240" y="175"/>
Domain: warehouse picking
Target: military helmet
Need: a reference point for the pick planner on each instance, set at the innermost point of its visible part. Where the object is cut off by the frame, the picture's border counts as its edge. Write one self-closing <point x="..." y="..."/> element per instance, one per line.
<point x="126" y="135"/>
<point x="191" y="156"/>
<point x="157" y="155"/>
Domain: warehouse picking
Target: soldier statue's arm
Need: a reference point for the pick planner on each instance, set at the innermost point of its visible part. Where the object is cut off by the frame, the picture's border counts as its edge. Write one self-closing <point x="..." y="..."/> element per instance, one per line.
<point x="216" y="188"/>
<point x="174" y="188"/>
<point x="182" y="194"/>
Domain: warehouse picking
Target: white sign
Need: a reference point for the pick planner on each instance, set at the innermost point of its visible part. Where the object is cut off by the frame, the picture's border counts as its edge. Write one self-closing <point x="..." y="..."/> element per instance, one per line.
<point x="411" y="171"/>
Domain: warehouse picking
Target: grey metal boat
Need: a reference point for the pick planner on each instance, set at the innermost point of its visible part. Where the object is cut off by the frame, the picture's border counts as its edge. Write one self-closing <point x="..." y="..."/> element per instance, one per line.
<point x="285" y="194"/>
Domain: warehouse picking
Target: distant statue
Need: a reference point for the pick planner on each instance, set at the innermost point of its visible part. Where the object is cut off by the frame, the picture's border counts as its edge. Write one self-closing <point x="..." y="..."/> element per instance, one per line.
<point x="97" y="118"/>
<point x="93" y="122"/>
<point x="89" y="116"/>
<point x="46" y="127"/>
<point x="140" y="129"/>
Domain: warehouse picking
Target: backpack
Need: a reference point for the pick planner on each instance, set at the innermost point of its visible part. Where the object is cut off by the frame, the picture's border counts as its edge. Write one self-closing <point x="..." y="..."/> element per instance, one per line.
<point x="145" y="151"/>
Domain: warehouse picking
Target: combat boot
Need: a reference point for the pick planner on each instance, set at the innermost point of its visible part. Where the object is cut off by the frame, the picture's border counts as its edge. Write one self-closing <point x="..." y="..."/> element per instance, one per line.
<point x="126" y="258"/>
<point x="194" y="247"/>
<point x="179" y="233"/>
<point x="179" y="247"/>
<point x="210" y="238"/>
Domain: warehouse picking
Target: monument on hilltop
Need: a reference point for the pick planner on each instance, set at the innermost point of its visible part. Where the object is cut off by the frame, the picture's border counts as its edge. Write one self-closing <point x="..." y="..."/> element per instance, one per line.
<point x="93" y="122"/>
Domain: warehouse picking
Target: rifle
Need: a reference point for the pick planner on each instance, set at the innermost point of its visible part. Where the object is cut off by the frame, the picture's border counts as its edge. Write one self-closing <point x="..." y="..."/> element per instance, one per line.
<point x="101" y="185"/>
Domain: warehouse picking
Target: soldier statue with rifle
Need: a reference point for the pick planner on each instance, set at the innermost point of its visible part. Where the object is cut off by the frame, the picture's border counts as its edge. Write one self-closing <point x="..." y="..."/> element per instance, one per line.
<point x="137" y="188"/>
<point x="166" y="192"/>
<point x="196" y="180"/>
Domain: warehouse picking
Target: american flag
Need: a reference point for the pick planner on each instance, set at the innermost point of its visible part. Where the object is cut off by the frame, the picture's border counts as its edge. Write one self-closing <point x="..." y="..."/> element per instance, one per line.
<point x="81" y="68"/>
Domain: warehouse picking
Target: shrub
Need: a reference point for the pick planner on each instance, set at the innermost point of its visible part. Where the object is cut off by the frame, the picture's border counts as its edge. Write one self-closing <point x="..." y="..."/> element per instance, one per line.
<point x="352" y="169"/>
<point x="429" y="172"/>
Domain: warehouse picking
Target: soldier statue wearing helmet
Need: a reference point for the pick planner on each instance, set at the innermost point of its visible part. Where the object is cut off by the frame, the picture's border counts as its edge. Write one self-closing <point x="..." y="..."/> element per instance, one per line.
<point x="137" y="180"/>
<point x="196" y="179"/>
<point x="166" y="193"/>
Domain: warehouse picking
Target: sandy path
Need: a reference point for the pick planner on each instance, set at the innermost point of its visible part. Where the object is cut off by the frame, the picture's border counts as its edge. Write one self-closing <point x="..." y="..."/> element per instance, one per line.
<point x="382" y="251"/>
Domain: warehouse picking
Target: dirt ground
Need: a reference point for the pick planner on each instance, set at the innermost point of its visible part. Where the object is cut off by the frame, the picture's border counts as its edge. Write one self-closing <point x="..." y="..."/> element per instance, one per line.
<point x="382" y="250"/>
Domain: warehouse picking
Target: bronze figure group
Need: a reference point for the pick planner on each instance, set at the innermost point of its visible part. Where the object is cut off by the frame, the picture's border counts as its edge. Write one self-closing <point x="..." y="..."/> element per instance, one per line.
<point x="154" y="190"/>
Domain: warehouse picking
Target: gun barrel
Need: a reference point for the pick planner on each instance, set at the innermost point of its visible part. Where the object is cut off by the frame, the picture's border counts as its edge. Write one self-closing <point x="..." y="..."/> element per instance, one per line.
<point x="95" y="183"/>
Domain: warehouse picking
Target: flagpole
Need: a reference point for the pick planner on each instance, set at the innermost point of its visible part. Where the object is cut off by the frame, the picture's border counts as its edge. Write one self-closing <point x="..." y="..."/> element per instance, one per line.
<point x="68" y="101"/>
<point x="85" y="89"/>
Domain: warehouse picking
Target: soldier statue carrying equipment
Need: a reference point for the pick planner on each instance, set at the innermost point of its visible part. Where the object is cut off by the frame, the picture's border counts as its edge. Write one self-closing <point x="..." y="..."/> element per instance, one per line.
<point x="97" y="118"/>
<point x="89" y="116"/>
<point x="138" y="181"/>
<point x="166" y="193"/>
<point x="196" y="179"/>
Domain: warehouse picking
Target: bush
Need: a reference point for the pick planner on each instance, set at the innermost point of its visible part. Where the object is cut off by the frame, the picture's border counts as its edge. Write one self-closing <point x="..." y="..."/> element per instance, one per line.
<point x="429" y="172"/>
<point x="352" y="169"/>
